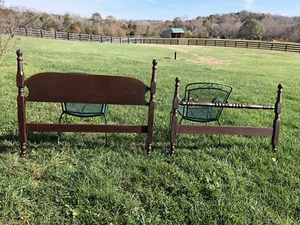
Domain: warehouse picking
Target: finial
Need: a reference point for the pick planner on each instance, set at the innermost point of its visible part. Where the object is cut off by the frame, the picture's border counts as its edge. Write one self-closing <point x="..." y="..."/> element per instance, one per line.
<point x="154" y="62"/>
<point x="19" y="53"/>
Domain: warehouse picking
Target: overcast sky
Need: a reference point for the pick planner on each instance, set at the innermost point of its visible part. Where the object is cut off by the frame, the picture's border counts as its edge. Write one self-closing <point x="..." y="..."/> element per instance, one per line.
<point x="158" y="9"/>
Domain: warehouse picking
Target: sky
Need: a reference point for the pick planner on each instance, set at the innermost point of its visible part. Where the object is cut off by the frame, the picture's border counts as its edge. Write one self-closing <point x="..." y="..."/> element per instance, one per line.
<point x="157" y="9"/>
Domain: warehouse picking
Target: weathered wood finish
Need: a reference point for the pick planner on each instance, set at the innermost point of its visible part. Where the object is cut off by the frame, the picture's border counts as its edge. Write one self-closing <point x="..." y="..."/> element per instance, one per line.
<point x="84" y="88"/>
<point x="226" y="130"/>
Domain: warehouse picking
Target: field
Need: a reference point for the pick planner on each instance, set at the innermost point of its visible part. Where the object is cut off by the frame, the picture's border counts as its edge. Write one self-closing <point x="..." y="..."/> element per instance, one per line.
<point x="82" y="181"/>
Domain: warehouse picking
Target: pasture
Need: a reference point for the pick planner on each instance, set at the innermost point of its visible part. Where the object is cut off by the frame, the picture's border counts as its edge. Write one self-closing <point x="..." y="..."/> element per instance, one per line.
<point x="82" y="181"/>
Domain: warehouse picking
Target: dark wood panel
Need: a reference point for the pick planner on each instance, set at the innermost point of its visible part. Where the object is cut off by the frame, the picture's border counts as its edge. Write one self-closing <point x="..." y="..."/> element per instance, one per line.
<point x="46" y="127"/>
<point x="85" y="88"/>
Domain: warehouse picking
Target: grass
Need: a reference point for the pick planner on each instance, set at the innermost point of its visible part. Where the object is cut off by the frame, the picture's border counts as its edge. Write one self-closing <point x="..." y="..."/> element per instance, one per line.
<point x="80" y="181"/>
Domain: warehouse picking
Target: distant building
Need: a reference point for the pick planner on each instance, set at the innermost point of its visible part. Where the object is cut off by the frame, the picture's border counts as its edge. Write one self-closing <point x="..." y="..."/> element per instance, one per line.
<point x="173" y="33"/>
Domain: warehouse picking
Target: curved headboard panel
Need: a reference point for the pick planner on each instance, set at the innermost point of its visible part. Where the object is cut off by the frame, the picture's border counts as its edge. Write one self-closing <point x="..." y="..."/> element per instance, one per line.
<point x="85" y="88"/>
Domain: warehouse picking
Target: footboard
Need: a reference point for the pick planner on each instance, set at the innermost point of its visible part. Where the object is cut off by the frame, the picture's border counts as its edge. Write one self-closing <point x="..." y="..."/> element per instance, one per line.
<point x="83" y="88"/>
<point x="273" y="131"/>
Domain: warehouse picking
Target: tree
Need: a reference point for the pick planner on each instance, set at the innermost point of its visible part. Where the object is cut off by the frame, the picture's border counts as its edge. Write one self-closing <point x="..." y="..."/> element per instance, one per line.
<point x="67" y="21"/>
<point x="229" y="27"/>
<point x="177" y="22"/>
<point x="7" y="40"/>
<point x="252" y="30"/>
<point x="273" y="29"/>
<point x="293" y="33"/>
<point x="96" y="18"/>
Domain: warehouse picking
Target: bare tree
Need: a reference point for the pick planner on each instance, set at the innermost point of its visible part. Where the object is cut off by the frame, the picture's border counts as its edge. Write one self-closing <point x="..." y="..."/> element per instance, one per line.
<point x="7" y="40"/>
<point x="229" y="27"/>
<point x="293" y="33"/>
<point x="273" y="29"/>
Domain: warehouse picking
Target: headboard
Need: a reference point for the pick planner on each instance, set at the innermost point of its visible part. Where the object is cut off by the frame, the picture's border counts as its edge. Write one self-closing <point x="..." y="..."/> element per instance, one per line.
<point x="83" y="88"/>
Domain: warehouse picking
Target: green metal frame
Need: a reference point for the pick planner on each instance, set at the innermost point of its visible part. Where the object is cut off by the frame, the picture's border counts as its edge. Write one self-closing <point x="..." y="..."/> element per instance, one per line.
<point x="203" y="92"/>
<point x="83" y="110"/>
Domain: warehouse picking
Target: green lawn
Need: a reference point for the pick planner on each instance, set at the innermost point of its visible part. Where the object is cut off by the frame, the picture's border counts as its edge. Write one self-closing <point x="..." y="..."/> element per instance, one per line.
<point x="80" y="181"/>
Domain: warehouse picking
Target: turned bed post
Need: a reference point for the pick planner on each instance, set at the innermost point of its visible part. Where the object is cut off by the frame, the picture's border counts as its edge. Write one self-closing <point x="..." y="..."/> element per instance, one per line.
<point x="151" y="107"/>
<point x="174" y="115"/>
<point x="276" y="122"/>
<point x="21" y="104"/>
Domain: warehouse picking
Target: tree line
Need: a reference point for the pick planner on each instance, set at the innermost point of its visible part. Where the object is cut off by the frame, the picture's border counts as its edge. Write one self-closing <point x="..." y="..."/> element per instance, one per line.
<point x="240" y="25"/>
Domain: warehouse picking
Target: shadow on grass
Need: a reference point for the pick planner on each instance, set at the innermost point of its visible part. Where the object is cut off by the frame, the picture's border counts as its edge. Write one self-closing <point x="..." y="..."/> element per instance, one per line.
<point x="129" y="143"/>
<point x="9" y="143"/>
<point x="227" y="143"/>
<point x="133" y="143"/>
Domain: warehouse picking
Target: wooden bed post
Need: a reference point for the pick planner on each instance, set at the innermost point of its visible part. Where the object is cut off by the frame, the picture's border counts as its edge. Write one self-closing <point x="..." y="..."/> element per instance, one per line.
<point x="276" y="122"/>
<point x="21" y="104"/>
<point x="174" y="115"/>
<point x="151" y="107"/>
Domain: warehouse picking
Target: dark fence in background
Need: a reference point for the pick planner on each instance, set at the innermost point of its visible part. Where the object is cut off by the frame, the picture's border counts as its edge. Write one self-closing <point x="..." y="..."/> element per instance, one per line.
<point x="276" y="46"/>
<point x="73" y="36"/>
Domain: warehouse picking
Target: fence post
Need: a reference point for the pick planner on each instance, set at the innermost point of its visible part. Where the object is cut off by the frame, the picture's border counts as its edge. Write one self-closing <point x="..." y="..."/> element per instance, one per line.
<point x="225" y="44"/>
<point x="68" y="37"/>
<point x="41" y="33"/>
<point x="55" y="35"/>
<point x="25" y="31"/>
<point x="79" y="36"/>
<point x="285" y="47"/>
<point x="258" y="45"/>
<point x="272" y="45"/>
<point x="91" y="37"/>
<point x="247" y="44"/>
<point x="111" y="39"/>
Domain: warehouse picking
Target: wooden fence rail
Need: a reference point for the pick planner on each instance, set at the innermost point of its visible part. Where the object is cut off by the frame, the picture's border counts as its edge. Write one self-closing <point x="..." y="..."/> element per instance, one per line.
<point x="276" y="46"/>
<point x="73" y="36"/>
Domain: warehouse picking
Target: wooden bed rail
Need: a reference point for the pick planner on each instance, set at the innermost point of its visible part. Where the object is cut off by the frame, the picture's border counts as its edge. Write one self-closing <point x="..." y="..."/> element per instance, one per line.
<point x="84" y="88"/>
<point x="226" y="130"/>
